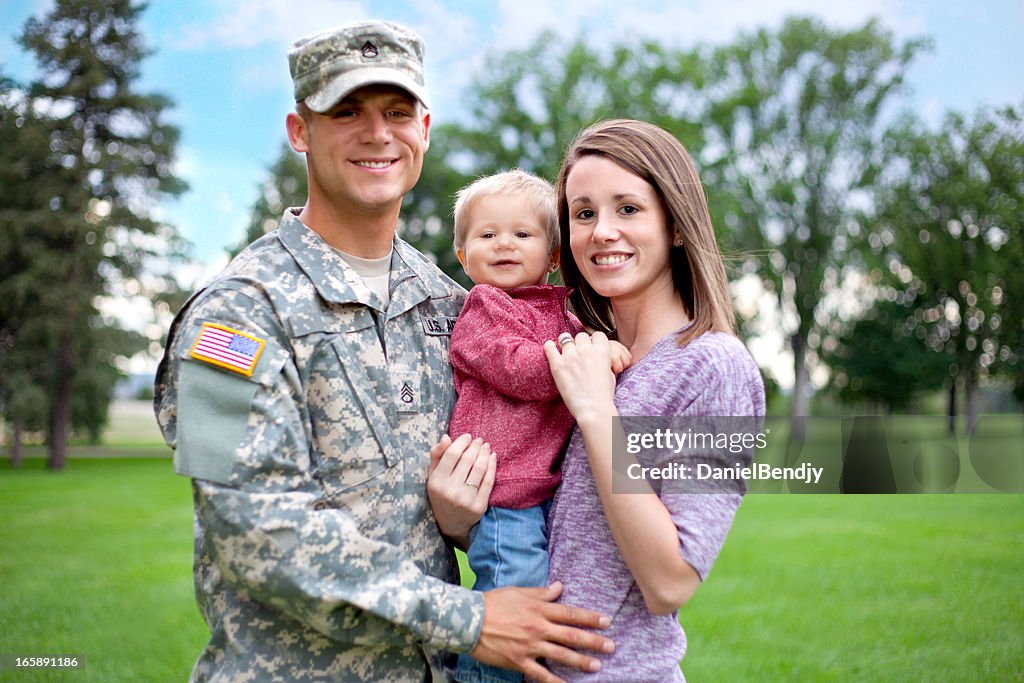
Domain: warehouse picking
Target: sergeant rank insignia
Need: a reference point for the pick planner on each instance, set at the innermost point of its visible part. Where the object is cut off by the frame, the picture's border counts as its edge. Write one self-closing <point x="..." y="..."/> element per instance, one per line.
<point x="228" y="348"/>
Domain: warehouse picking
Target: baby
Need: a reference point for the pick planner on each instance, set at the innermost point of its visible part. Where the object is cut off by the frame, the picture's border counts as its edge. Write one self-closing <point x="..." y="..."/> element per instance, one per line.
<point x="507" y="240"/>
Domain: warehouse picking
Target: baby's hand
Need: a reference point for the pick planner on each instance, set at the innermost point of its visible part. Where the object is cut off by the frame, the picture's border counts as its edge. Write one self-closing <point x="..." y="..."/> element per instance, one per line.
<point x="620" y="356"/>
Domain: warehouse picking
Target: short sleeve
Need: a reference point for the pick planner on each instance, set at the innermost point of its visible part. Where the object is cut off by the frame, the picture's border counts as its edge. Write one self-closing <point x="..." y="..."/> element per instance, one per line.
<point x="703" y="522"/>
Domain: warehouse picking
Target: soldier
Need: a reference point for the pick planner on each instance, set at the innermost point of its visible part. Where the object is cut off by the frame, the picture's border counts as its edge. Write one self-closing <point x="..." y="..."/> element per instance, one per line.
<point x="302" y="390"/>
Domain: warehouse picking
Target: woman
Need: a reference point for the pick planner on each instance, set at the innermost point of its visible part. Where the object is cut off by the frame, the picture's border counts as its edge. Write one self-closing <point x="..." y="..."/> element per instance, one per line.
<point x="639" y="251"/>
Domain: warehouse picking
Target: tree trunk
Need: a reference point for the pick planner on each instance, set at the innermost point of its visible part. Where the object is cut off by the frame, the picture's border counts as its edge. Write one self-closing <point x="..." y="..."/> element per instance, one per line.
<point x="798" y="407"/>
<point x="951" y="407"/>
<point x="17" y="436"/>
<point x="801" y="376"/>
<point x="60" y="417"/>
<point x="971" y="406"/>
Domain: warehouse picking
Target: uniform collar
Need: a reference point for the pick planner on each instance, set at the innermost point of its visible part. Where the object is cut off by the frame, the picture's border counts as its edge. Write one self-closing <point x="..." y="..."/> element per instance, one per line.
<point x="335" y="281"/>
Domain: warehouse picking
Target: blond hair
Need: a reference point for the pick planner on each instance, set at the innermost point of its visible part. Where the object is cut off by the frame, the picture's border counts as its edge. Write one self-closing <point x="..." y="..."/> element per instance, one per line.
<point x="535" y="192"/>
<point x="698" y="271"/>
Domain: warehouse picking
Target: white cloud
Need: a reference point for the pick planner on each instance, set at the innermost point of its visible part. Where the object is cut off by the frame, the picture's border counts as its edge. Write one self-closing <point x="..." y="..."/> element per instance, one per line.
<point x="224" y="204"/>
<point x="684" y="23"/>
<point x="459" y="35"/>
<point x="452" y="37"/>
<point x="247" y="23"/>
<point x="266" y="75"/>
<point x="455" y="43"/>
<point x="521" y="21"/>
<point x="186" y="161"/>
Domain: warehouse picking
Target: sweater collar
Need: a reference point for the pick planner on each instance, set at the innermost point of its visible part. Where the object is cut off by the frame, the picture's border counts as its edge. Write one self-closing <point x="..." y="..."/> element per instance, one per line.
<point x="556" y="295"/>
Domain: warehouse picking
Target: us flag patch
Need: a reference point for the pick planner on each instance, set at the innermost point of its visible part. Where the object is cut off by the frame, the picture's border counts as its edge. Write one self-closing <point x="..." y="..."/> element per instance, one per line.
<point x="227" y="348"/>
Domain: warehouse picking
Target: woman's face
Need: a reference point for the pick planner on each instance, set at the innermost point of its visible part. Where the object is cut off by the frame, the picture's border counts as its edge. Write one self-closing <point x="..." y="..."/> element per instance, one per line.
<point x="618" y="232"/>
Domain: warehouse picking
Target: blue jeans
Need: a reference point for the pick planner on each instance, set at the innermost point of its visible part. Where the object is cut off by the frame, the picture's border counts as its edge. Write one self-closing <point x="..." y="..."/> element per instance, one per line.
<point x="507" y="548"/>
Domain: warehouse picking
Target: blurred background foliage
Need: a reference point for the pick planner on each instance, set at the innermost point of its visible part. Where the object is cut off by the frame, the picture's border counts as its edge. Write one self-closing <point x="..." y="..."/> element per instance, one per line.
<point x="886" y="255"/>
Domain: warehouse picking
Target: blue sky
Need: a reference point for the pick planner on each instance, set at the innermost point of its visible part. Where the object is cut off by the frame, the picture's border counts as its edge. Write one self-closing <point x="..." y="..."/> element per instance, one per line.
<point x="223" y="64"/>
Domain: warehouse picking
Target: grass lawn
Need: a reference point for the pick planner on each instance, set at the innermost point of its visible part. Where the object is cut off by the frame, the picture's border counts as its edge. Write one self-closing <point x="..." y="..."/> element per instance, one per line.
<point x="96" y="562"/>
<point x="866" y="588"/>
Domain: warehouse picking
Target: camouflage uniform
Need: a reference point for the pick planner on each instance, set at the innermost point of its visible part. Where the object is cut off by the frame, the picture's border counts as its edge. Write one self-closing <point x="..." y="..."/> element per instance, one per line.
<point x="317" y="557"/>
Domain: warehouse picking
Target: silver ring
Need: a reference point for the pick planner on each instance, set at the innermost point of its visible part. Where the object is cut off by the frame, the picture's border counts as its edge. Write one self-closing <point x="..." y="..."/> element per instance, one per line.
<point x="469" y="483"/>
<point x="563" y="339"/>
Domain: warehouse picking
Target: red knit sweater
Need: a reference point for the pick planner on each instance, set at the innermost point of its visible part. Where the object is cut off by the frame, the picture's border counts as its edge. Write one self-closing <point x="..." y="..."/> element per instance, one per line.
<point x="506" y="392"/>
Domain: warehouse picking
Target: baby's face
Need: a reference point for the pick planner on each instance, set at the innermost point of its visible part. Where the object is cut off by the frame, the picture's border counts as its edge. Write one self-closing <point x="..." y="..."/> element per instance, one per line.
<point x="506" y="245"/>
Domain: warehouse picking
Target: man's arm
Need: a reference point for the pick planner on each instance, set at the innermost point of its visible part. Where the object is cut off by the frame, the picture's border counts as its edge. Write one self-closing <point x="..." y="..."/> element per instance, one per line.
<point x="245" y="442"/>
<point x="316" y="567"/>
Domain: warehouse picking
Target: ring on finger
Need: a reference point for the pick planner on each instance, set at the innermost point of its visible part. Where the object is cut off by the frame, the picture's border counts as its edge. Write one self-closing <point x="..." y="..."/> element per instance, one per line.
<point x="563" y="339"/>
<point x="472" y="483"/>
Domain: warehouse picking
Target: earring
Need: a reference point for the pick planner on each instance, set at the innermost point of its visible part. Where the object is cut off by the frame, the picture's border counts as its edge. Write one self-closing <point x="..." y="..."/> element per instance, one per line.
<point x="679" y="241"/>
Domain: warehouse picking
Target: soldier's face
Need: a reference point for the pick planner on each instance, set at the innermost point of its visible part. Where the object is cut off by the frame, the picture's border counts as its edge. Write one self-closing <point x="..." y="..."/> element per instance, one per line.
<point x="367" y="152"/>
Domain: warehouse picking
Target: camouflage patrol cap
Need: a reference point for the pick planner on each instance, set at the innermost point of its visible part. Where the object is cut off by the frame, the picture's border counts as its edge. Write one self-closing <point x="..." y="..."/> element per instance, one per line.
<point x="328" y="66"/>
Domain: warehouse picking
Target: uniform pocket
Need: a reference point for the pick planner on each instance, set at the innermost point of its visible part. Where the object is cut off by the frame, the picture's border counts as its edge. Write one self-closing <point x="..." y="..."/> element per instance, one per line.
<point x="346" y="395"/>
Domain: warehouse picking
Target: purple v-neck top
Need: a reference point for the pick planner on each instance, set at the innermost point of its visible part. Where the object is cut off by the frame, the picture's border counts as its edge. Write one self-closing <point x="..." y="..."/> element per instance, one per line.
<point x="712" y="375"/>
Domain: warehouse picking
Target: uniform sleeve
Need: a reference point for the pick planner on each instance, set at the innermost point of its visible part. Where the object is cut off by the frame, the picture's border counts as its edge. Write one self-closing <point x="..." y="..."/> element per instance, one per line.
<point x="492" y="343"/>
<point x="245" y="442"/>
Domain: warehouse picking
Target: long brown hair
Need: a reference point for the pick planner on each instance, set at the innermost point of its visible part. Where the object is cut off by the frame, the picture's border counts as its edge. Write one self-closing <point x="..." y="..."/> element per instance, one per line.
<point x="698" y="271"/>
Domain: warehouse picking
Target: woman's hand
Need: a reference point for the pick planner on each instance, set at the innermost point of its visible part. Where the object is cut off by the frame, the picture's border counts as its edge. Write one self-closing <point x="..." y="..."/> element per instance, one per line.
<point x="459" y="484"/>
<point x="583" y="374"/>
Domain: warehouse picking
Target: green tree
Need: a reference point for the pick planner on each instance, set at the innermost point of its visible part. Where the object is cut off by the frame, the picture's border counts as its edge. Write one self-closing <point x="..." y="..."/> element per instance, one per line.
<point x="794" y="117"/>
<point x="527" y="106"/>
<point x="285" y="185"/>
<point x="1010" y="352"/>
<point x="949" y="225"/>
<point x="882" y="359"/>
<point x="114" y="154"/>
<point x="426" y="220"/>
<point x="25" y="176"/>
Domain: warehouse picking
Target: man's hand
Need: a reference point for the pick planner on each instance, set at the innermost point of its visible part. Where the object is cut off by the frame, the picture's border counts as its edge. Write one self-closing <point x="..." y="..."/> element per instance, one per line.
<point x="524" y="624"/>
